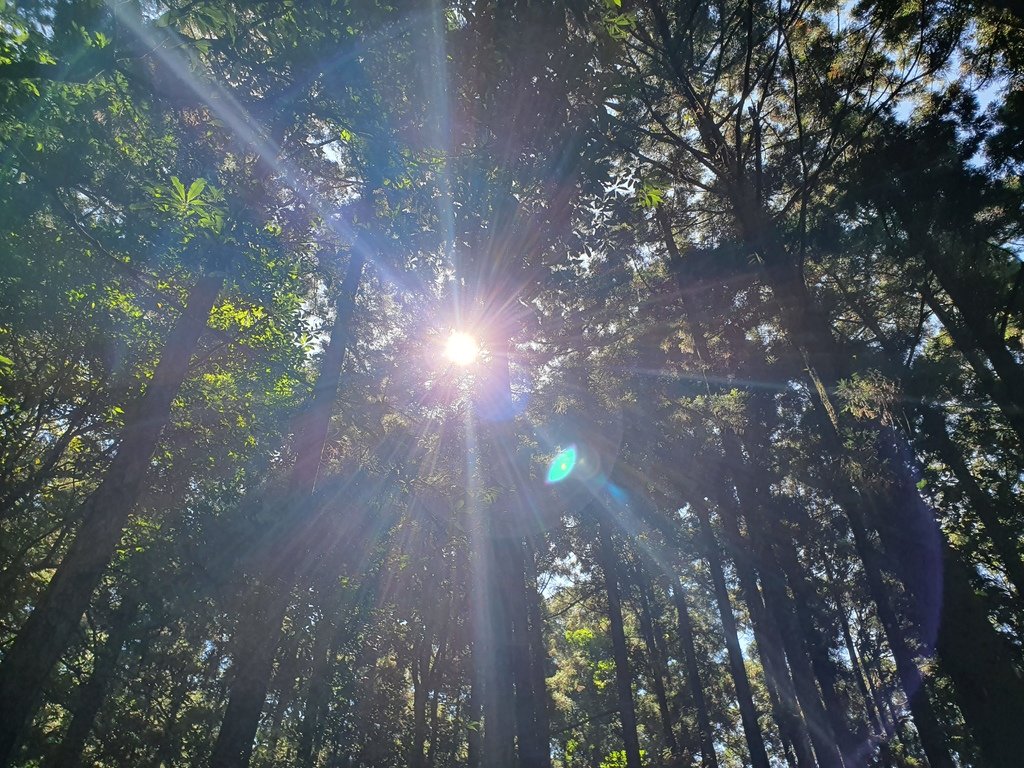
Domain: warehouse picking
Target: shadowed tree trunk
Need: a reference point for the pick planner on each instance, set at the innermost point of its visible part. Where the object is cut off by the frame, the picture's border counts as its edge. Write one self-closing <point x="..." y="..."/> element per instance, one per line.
<point x="656" y="659"/>
<point x="992" y="384"/>
<point x="91" y="694"/>
<point x="259" y="629"/>
<point x="623" y="673"/>
<point x="1003" y="537"/>
<point x="709" y="759"/>
<point x="49" y="628"/>
<point x="538" y="654"/>
<point x="778" y="676"/>
<point x="748" y="714"/>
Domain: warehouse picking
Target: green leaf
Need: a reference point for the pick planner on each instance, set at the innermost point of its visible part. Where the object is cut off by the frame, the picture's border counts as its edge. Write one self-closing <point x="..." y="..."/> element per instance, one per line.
<point x="179" y="189"/>
<point x="196" y="189"/>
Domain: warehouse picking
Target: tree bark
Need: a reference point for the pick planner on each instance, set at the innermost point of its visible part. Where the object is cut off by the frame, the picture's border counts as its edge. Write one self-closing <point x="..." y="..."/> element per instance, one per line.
<point x="623" y="673"/>
<point x="259" y="629"/>
<point x="92" y="693"/>
<point x="656" y="661"/>
<point x="49" y="628"/>
<point x="709" y="759"/>
<point x="748" y="714"/>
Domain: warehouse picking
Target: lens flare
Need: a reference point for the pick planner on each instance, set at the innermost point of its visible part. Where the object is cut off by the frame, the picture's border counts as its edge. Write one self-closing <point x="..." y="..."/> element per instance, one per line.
<point x="461" y="348"/>
<point x="561" y="466"/>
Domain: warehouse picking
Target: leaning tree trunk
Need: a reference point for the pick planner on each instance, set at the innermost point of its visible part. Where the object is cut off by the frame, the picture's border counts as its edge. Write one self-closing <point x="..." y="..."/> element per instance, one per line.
<point x="993" y="385"/>
<point x="1003" y="537"/>
<point x="259" y="630"/>
<point x="51" y="625"/>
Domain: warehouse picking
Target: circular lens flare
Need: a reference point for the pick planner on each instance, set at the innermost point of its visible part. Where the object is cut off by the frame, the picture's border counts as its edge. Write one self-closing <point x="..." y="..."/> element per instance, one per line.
<point x="562" y="465"/>
<point x="461" y="348"/>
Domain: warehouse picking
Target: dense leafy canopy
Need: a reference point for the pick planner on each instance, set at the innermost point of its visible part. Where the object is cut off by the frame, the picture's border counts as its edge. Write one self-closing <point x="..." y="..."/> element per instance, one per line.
<point x="523" y="384"/>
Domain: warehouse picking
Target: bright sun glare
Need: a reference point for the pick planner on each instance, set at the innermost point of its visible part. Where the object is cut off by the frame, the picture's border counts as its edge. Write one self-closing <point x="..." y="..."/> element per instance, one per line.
<point x="461" y="348"/>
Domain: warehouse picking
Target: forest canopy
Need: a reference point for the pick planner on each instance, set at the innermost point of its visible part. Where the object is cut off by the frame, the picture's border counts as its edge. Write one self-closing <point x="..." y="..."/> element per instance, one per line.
<point x="511" y="383"/>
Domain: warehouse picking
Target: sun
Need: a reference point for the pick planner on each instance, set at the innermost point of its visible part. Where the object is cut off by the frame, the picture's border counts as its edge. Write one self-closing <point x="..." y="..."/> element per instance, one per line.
<point x="461" y="348"/>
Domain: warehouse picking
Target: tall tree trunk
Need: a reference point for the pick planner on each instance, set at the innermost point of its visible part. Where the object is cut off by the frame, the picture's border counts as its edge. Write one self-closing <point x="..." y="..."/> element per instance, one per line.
<point x="92" y="693"/>
<point x="170" y="743"/>
<point x="623" y="673"/>
<point x="805" y="600"/>
<point x="533" y="731"/>
<point x="656" y="660"/>
<point x="709" y="759"/>
<point x="52" y="623"/>
<point x="906" y="544"/>
<point x="748" y="714"/>
<point x="780" y="682"/>
<point x="778" y="607"/>
<point x="259" y="629"/>
<point x="911" y="679"/>
<point x="417" y="746"/>
<point x="327" y="638"/>
<point x="493" y="661"/>
<point x="538" y="654"/>
<point x="474" y="716"/>
<point x="882" y="731"/>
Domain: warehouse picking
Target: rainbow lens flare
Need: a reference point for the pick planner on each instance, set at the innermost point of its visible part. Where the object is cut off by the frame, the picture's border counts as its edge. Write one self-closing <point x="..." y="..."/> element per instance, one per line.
<point x="562" y="465"/>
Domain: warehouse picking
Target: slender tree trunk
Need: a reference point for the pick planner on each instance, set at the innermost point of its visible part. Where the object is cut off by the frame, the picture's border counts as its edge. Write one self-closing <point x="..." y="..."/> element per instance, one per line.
<point x="782" y="692"/>
<point x="623" y="673"/>
<point x="474" y="717"/>
<point x="748" y="714"/>
<point x="538" y="655"/>
<point x="328" y="636"/>
<point x="92" y="693"/>
<point x="778" y="607"/>
<point x="170" y="743"/>
<point x="259" y="630"/>
<point x="933" y="739"/>
<point x="879" y="726"/>
<point x="656" y="661"/>
<point x="417" y="746"/>
<point x="49" y="628"/>
<point x="709" y="759"/>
